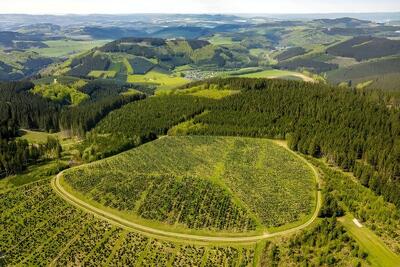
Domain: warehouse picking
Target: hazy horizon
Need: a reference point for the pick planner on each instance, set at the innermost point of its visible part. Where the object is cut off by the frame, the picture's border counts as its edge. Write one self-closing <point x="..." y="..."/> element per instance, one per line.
<point x="123" y="7"/>
<point x="204" y="13"/>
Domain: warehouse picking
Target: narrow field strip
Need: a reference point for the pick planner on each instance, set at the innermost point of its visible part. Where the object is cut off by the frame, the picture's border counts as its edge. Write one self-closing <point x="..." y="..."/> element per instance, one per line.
<point x="378" y="253"/>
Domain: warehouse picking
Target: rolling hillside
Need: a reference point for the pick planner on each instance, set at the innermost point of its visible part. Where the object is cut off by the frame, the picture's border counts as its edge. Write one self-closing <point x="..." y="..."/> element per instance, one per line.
<point x="380" y="73"/>
<point x="365" y="47"/>
<point x="139" y="56"/>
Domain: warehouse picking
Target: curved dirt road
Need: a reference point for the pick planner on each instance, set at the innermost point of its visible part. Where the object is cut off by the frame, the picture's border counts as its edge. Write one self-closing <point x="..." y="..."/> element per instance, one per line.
<point x="114" y="219"/>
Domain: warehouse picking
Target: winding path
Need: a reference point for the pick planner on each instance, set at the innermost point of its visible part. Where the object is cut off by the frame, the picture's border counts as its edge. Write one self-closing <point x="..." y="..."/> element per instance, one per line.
<point x="116" y="220"/>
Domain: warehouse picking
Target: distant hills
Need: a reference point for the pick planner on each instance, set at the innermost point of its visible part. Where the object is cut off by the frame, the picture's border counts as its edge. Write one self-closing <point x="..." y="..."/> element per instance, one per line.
<point x="140" y="55"/>
<point x="345" y="22"/>
<point x="365" y="47"/>
<point x="326" y="45"/>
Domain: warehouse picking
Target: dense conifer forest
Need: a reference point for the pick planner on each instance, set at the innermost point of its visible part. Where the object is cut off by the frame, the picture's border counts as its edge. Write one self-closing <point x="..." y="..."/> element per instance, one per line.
<point x="27" y="110"/>
<point x="139" y="122"/>
<point x="354" y="129"/>
<point x="19" y="108"/>
<point x="80" y="119"/>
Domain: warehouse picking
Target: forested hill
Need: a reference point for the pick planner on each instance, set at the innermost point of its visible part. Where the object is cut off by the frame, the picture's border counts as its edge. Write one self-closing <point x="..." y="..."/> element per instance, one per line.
<point x="354" y="129"/>
<point x="21" y="108"/>
<point x="25" y="109"/>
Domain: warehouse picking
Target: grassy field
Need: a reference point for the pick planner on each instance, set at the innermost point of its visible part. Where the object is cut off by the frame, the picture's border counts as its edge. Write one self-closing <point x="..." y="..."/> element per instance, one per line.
<point x="40" y="229"/>
<point x="378" y="253"/>
<point x="36" y="137"/>
<point x="343" y="62"/>
<point x="277" y="74"/>
<point x="239" y="183"/>
<point x="214" y="94"/>
<point x="63" y="48"/>
<point x="102" y="74"/>
<point x="198" y="91"/>
<point x="306" y="38"/>
<point x="131" y="92"/>
<point x="220" y="40"/>
<point x="40" y="171"/>
<point x="258" y="51"/>
<point x="127" y="65"/>
<point x="162" y="80"/>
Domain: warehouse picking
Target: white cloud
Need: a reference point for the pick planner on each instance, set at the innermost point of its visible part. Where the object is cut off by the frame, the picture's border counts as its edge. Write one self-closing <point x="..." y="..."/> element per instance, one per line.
<point x="195" y="6"/>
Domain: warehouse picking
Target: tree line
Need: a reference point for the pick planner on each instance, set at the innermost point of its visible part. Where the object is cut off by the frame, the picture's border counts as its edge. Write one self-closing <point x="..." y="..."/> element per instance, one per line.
<point x="80" y="119"/>
<point x="139" y="122"/>
<point x="27" y="110"/>
<point x="16" y="155"/>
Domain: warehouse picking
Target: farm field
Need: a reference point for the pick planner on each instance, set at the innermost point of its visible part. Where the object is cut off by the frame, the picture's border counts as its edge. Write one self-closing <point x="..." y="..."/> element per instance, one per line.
<point x="55" y="233"/>
<point x="63" y="48"/>
<point x="225" y="184"/>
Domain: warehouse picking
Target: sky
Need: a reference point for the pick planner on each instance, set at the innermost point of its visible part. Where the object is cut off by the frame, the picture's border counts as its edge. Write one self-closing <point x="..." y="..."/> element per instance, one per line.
<point x="196" y="6"/>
